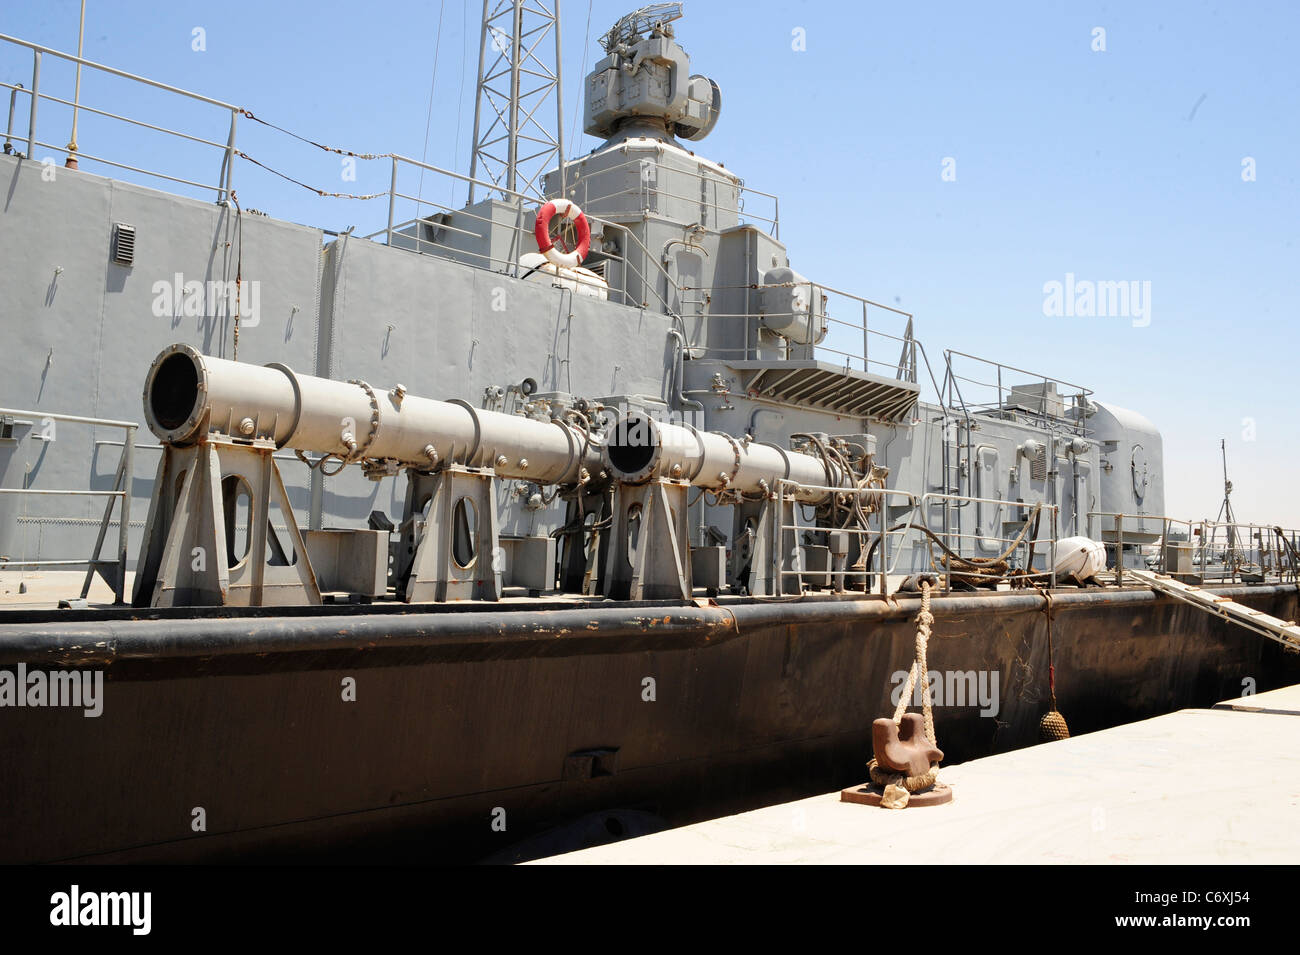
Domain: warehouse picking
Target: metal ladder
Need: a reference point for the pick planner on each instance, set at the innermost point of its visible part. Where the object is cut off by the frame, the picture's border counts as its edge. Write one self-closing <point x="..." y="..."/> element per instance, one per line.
<point x="1285" y="632"/>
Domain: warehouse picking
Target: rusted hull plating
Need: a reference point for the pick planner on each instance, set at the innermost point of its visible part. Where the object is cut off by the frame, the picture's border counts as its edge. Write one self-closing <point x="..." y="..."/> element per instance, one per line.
<point x="494" y="733"/>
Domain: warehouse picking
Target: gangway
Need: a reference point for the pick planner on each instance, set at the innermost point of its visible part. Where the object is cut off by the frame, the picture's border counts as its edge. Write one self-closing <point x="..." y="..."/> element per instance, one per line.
<point x="1285" y="632"/>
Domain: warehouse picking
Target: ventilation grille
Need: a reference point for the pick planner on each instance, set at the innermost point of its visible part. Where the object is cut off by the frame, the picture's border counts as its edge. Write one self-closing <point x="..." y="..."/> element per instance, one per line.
<point x="123" y="244"/>
<point x="1038" y="465"/>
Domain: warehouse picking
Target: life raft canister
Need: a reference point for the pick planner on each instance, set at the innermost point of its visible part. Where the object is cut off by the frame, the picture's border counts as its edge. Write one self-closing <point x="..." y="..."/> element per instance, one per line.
<point x="542" y="232"/>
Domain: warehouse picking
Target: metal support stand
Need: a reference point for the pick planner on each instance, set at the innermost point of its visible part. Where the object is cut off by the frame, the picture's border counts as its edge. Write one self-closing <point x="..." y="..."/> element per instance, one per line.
<point x="458" y="554"/>
<point x="194" y="553"/>
<point x="768" y="542"/>
<point x="649" y="550"/>
<point x="582" y="550"/>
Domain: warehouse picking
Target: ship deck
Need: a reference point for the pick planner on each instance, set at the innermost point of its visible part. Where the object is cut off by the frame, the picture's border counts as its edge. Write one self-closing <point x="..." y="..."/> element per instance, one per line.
<point x="44" y="591"/>
<point x="1162" y="790"/>
<point x="35" y="596"/>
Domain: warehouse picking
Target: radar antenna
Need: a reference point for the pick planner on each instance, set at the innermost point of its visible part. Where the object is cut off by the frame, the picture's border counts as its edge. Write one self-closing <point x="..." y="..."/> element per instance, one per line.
<point x="654" y="18"/>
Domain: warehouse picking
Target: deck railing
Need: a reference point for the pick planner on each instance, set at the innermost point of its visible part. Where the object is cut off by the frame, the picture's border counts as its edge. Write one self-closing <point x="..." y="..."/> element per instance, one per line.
<point x="897" y="532"/>
<point x="226" y="119"/>
<point x="794" y="564"/>
<point x="992" y="387"/>
<point x="1245" y="551"/>
<point x="120" y="492"/>
<point x="640" y="270"/>
<point x="1220" y="551"/>
<point x="417" y="221"/>
<point x="1020" y="549"/>
<point x="881" y="353"/>
<point x="591" y="190"/>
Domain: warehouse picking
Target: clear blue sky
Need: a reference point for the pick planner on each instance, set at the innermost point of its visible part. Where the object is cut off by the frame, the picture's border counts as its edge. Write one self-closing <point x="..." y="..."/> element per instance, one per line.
<point x="1116" y="165"/>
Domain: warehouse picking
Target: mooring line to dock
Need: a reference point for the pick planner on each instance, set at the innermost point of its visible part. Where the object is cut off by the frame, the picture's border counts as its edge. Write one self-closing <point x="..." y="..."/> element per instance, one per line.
<point x="898" y="787"/>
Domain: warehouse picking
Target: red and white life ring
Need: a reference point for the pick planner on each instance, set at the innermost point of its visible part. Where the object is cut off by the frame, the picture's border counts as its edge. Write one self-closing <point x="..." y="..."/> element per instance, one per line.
<point x="546" y="245"/>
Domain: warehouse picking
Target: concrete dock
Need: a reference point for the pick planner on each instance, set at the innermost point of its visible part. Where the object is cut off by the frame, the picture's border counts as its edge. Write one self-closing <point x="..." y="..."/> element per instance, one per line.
<point x="1220" y="785"/>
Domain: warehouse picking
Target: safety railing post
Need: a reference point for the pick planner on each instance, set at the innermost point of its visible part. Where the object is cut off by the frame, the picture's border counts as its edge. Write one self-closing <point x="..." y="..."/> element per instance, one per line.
<point x="884" y="548"/>
<point x="124" y="511"/>
<point x="9" y="129"/>
<point x="865" y="367"/>
<point x="36" y="95"/>
<point x="517" y="239"/>
<point x="1056" y="530"/>
<point x="1204" y="543"/>
<point x="392" y="199"/>
<point x="1119" y="550"/>
<point x="778" y="540"/>
<point x="229" y="170"/>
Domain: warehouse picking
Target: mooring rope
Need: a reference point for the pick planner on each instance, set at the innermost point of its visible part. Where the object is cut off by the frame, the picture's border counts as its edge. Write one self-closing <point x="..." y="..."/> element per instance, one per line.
<point x="971" y="569"/>
<point x="919" y="671"/>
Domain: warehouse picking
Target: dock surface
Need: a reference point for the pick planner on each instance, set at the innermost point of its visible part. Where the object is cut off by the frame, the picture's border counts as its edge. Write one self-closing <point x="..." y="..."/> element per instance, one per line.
<point x="1218" y="785"/>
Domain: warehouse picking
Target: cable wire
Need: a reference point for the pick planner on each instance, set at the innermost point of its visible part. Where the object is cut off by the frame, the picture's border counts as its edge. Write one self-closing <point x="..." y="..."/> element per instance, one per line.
<point x="428" y="119"/>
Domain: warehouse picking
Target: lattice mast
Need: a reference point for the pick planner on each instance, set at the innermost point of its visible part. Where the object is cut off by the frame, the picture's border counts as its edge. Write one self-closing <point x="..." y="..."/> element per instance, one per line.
<point x="519" y="76"/>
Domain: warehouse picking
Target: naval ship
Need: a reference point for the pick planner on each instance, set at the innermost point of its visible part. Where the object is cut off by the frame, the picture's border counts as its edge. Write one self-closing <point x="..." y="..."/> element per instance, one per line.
<point x="571" y="512"/>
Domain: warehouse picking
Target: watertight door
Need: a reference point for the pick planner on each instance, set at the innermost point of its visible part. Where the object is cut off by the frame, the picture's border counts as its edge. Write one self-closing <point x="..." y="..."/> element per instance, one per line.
<point x="988" y="485"/>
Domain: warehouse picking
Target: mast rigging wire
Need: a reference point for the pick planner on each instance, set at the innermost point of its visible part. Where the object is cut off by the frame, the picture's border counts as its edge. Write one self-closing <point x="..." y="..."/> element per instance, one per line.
<point x="428" y="120"/>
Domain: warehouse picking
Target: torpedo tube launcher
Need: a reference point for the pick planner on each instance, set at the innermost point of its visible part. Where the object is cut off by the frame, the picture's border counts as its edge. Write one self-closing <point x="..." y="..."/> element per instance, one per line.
<point x="220" y="422"/>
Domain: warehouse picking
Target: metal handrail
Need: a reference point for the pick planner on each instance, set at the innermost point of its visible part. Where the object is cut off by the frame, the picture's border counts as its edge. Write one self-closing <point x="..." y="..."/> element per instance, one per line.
<point x="522" y="199"/>
<point x="35" y="95"/>
<point x="1200" y="535"/>
<point x="773" y="222"/>
<point x="1035" y="375"/>
<point x="779" y="527"/>
<point x="1118" y="518"/>
<point x="5" y="38"/>
<point x="1031" y="544"/>
<point x="121" y="491"/>
<point x="1044" y="534"/>
<point x="905" y="367"/>
<point x="1232" y="543"/>
<point x="652" y="275"/>
<point x="952" y="396"/>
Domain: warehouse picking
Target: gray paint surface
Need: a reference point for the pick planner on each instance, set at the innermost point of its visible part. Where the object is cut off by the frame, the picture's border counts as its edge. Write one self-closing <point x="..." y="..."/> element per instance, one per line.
<point x="672" y="239"/>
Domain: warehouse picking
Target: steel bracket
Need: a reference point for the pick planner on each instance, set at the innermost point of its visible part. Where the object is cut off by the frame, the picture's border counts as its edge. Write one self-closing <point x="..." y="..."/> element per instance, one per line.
<point x="649" y="555"/>
<point x="454" y="551"/>
<point x="196" y="553"/>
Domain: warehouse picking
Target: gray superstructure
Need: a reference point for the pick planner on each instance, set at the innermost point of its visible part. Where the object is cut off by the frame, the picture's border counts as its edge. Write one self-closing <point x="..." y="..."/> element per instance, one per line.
<point x="691" y="311"/>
